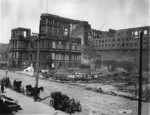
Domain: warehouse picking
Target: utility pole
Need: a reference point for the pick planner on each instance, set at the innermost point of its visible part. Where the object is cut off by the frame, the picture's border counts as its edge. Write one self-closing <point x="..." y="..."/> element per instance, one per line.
<point x="70" y="45"/>
<point x="6" y="72"/>
<point x="37" y="63"/>
<point x="140" y="76"/>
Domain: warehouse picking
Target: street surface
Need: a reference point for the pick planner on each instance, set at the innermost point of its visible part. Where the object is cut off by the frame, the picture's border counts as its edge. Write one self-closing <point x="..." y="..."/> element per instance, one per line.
<point x="92" y="103"/>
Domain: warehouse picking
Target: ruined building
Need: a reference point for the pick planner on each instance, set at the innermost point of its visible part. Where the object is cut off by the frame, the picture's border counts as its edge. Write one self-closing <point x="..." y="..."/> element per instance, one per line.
<point x="62" y="40"/>
<point x="123" y="44"/>
<point x="60" y="45"/>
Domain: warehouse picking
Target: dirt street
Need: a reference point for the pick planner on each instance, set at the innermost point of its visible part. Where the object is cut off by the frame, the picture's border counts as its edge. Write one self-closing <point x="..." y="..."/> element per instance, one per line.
<point x="92" y="103"/>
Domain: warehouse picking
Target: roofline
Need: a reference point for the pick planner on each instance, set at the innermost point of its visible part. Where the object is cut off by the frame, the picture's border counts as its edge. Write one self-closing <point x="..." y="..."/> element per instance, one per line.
<point x="56" y="16"/>
<point x="21" y="28"/>
<point x="134" y="28"/>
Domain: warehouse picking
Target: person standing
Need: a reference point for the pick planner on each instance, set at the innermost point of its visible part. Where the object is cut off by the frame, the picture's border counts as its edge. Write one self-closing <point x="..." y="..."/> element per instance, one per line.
<point x="2" y="87"/>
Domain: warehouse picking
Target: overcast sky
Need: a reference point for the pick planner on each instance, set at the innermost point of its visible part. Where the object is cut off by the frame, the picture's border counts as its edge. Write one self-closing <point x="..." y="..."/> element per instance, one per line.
<point x="116" y="14"/>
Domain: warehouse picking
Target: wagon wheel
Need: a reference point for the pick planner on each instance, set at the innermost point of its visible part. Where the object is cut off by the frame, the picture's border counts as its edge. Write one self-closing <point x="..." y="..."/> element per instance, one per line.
<point x="68" y="110"/>
<point x="51" y="103"/>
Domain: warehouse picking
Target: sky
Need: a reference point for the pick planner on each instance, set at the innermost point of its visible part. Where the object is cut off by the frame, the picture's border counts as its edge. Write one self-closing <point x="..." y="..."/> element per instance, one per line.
<point x="101" y="14"/>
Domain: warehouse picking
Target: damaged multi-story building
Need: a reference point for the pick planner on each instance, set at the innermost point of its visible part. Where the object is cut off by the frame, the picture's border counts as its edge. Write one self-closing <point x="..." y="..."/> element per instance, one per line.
<point x="62" y="40"/>
<point x="60" y="45"/>
<point x="123" y="44"/>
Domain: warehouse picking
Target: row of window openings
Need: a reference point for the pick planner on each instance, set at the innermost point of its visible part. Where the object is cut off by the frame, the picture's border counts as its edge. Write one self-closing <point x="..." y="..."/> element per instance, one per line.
<point x="58" y="23"/>
<point x="133" y="33"/>
<point x="119" y="39"/>
<point x="60" y="57"/>
<point x="113" y="45"/>
<point x="56" y="31"/>
<point x="61" y="45"/>
<point x="99" y="34"/>
<point x="138" y="32"/>
<point x="17" y="33"/>
<point x="53" y="56"/>
<point x="57" y="46"/>
<point x="53" y="29"/>
<point x="14" y="45"/>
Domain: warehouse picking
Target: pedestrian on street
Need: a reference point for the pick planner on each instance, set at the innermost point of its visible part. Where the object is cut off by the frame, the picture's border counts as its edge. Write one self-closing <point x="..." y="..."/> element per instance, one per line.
<point x="2" y="87"/>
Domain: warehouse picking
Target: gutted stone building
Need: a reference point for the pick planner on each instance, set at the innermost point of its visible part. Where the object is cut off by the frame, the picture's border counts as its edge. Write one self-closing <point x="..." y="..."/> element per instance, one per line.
<point x="60" y="43"/>
<point x="60" y="26"/>
<point x="122" y="44"/>
<point x="62" y="40"/>
<point x="55" y="52"/>
<point x="19" y="42"/>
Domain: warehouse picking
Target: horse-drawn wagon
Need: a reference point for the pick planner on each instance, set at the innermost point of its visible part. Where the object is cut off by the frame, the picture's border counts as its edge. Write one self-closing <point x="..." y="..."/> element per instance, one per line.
<point x="30" y="91"/>
<point x="17" y="85"/>
<point x="62" y="102"/>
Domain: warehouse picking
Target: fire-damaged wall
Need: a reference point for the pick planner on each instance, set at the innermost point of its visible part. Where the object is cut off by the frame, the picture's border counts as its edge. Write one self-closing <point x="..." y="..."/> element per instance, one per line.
<point x="82" y="31"/>
<point x="127" y="56"/>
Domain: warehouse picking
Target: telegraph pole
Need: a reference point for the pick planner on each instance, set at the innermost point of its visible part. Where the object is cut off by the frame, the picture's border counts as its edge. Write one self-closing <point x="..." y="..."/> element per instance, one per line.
<point x="140" y="76"/>
<point x="37" y="63"/>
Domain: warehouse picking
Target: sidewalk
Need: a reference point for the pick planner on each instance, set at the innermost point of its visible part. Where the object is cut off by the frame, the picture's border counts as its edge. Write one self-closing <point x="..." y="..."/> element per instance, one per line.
<point x="29" y="106"/>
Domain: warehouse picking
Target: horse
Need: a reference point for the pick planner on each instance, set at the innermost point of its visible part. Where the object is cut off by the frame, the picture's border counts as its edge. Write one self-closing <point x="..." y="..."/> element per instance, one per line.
<point x="30" y="91"/>
<point x="38" y="90"/>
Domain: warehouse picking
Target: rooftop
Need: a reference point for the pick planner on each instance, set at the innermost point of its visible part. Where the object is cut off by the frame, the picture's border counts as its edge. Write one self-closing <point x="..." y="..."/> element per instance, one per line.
<point x="56" y="16"/>
<point x="21" y="28"/>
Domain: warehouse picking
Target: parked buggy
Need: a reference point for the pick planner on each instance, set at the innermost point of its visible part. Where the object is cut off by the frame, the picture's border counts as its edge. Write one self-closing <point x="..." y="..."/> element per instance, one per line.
<point x="17" y="85"/>
<point x="6" y="82"/>
<point x="29" y="90"/>
<point x="62" y="102"/>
